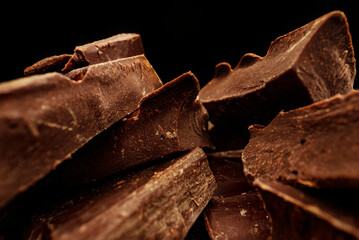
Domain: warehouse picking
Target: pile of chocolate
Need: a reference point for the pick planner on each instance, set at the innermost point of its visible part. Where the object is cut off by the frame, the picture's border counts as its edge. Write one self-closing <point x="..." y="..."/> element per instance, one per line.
<point x="94" y="146"/>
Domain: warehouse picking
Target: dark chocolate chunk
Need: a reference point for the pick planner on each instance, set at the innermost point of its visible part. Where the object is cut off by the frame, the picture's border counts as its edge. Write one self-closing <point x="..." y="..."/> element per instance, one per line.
<point x="314" y="146"/>
<point x="50" y="64"/>
<point x="297" y="214"/>
<point x="306" y="65"/>
<point x="237" y="217"/>
<point x="227" y="168"/>
<point x="46" y="118"/>
<point x="160" y="202"/>
<point x="119" y="46"/>
<point x="169" y="120"/>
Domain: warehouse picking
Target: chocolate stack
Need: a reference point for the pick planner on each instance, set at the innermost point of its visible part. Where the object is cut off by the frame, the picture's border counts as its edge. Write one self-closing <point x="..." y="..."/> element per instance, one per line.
<point x="94" y="146"/>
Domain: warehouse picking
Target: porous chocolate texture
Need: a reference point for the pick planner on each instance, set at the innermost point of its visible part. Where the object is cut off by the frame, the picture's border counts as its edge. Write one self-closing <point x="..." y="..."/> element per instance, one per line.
<point x="160" y="202"/>
<point x="315" y="146"/>
<point x="46" y="118"/>
<point x="119" y="46"/>
<point x="309" y="64"/>
<point x="297" y="214"/>
<point x="169" y="120"/>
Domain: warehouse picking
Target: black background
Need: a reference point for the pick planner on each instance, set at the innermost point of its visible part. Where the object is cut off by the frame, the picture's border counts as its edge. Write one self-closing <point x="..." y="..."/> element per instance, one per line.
<point x="178" y="36"/>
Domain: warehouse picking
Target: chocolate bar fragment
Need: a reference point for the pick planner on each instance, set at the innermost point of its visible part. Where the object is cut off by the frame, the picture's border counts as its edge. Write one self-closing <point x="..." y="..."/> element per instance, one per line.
<point x="236" y="212"/>
<point x="238" y="217"/>
<point x="49" y="64"/>
<point x="227" y="168"/>
<point x="169" y="120"/>
<point x="297" y="214"/>
<point x="160" y="202"/>
<point x="46" y="118"/>
<point x="304" y="66"/>
<point x="315" y="146"/>
<point x="119" y="46"/>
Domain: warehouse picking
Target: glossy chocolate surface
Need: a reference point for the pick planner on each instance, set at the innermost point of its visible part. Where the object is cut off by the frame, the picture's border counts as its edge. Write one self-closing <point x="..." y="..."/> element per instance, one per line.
<point x="309" y="64"/>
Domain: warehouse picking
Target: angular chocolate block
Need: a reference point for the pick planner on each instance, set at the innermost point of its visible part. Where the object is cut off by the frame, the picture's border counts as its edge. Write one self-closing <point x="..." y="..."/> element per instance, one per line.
<point x="160" y="202"/>
<point x="314" y="146"/>
<point x="119" y="46"/>
<point x="227" y="168"/>
<point x="237" y="217"/>
<point x="46" y="118"/>
<point x="169" y="120"/>
<point x="297" y="214"/>
<point x="306" y="65"/>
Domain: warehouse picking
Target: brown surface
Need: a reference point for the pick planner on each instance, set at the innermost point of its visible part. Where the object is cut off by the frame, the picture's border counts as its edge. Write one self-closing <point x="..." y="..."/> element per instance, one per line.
<point x="46" y="118"/>
<point x="227" y="168"/>
<point x="314" y="146"/>
<point x="119" y="46"/>
<point x="169" y="120"/>
<point x="306" y="65"/>
<point x="237" y="217"/>
<point x="297" y="214"/>
<point x="160" y="202"/>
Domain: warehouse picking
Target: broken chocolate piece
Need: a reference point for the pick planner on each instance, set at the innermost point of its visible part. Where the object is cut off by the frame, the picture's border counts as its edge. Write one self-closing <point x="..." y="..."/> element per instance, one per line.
<point x="297" y="214"/>
<point x="227" y="168"/>
<point x="160" y="202"/>
<point x="119" y="46"/>
<point x="169" y="120"/>
<point x="237" y="217"/>
<point x="50" y="64"/>
<point x="306" y="65"/>
<point x="314" y="146"/>
<point x="46" y="118"/>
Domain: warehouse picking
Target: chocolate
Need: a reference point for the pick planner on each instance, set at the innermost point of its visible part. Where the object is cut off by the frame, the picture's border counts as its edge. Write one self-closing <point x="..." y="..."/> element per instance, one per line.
<point x="297" y="214"/>
<point x="237" y="217"/>
<point x="307" y="65"/>
<point x="227" y="168"/>
<point x="160" y="202"/>
<point x="119" y="46"/>
<point x="49" y="64"/>
<point x="46" y="118"/>
<point x="169" y="120"/>
<point x="314" y="146"/>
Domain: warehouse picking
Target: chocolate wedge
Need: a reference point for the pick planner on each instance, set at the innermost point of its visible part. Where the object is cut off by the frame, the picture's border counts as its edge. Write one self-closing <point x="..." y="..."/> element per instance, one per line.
<point x="297" y="214"/>
<point x="160" y="202"/>
<point x="315" y="146"/>
<point x="46" y="118"/>
<point x="169" y="120"/>
<point x="119" y="46"/>
<point x="307" y="65"/>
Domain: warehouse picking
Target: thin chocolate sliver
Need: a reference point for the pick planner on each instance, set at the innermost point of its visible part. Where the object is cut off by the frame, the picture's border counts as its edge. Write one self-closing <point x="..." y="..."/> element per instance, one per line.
<point x="315" y="146"/>
<point x="297" y="214"/>
<point x="119" y="46"/>
<point x="160" y="202"/>
<point x="169" y="120"/>
<point x="307" y="65"/>
<point x="46" y="118"/>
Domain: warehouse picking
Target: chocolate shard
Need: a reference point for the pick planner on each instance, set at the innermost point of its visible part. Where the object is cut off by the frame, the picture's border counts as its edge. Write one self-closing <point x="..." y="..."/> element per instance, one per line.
<point x="227" y="168"/>
<point x="49" y="64"/>
<point x="238" y="217"/>
<point x="160" y="202"/>
<point x="119" y="46"/>
<point x="306" y="65"/>
<point x="46" y="118"/>
<point x="297" y="214"/>
<point x="314" y="146"/>
<point x="169" y="120"/>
